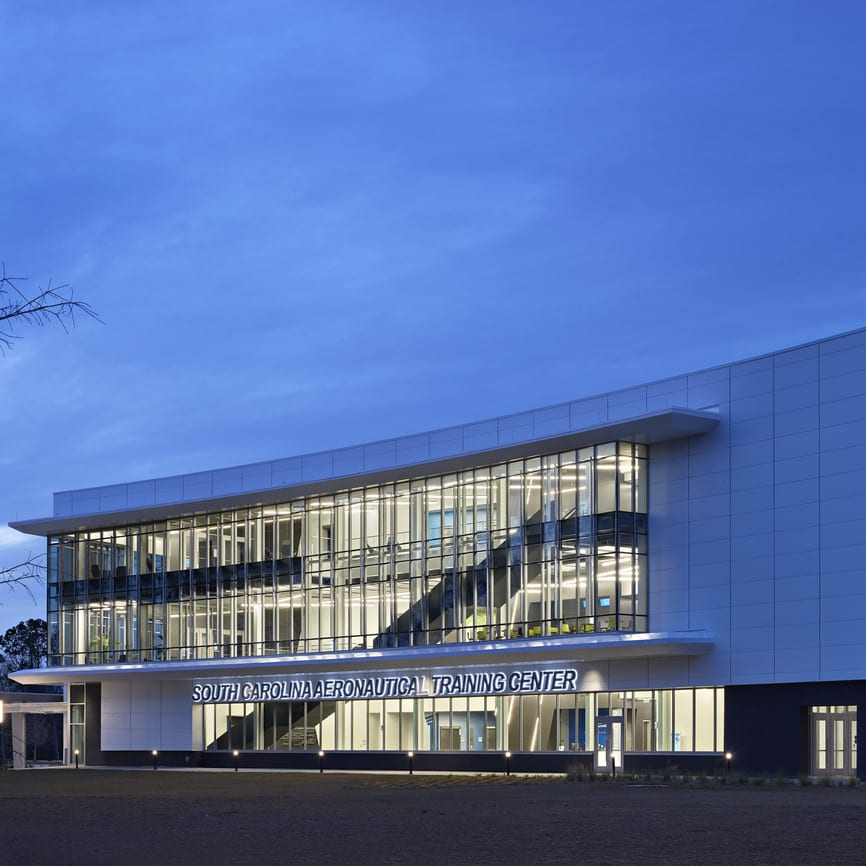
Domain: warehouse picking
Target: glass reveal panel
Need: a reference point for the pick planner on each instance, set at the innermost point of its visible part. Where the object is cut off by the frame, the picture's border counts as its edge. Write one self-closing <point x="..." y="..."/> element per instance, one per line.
<point x="705" y="718"/>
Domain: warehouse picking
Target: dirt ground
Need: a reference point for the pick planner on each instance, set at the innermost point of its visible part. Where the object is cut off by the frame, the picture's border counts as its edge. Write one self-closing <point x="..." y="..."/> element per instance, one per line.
<point x="64" y="816"/>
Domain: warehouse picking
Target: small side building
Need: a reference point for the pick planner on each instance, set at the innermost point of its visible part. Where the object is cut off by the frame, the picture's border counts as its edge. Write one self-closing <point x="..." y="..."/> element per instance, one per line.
<point x="33" y="728"/>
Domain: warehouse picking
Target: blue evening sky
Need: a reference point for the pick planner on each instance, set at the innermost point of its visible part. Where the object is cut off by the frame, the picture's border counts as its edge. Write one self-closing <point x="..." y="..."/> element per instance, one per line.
<point x="309" y="225"/>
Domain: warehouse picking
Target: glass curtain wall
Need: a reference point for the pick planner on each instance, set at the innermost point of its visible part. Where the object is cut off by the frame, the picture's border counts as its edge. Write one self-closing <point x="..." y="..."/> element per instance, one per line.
<point x="679" y="720"/>
<point x="552" y="545"/>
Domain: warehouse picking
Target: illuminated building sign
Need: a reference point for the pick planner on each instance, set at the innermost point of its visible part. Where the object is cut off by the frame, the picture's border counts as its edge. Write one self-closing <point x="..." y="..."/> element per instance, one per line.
<point x="395" y="684"/>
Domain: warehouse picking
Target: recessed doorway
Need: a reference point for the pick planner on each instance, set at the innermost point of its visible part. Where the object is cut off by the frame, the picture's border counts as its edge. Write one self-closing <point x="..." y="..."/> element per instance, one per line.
<point x="608" y="743"/>
<point x="833" y="734"/>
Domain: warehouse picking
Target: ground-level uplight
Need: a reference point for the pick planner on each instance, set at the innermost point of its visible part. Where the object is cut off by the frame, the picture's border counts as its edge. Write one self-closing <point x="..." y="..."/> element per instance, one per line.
<point x="235" y="754"/>
<point x="508" y="763"/>
<point x="411" y="756"/>
<point x="321" y="761"/>
<point x="76" y="759"/>
<point x="154" y="753"/>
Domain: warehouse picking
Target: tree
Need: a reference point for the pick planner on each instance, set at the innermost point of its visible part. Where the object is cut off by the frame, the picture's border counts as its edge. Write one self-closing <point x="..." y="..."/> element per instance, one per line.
<point x="21" y="575"/>
<point x="54" y="304"/>
<point x="23" y="646"/>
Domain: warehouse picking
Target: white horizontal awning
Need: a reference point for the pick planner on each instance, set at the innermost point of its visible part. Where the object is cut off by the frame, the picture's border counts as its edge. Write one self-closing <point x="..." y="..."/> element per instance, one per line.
<point x="30" y="702"/>
<point x="31" y="707"/>
<point x="570" y="649"/>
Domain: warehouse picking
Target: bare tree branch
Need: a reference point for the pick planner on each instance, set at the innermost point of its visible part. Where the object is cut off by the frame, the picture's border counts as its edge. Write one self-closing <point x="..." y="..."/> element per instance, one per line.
<point x="55" y="304"/>
<point x="21" y="576"/>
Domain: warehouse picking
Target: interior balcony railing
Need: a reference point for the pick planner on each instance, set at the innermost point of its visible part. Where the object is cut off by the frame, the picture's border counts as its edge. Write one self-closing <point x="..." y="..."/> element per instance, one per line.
<point x="477" y="631"/>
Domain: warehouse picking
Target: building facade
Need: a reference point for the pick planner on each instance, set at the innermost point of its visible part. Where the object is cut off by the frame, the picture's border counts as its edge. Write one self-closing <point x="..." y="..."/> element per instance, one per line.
<point x="655" y="576"/>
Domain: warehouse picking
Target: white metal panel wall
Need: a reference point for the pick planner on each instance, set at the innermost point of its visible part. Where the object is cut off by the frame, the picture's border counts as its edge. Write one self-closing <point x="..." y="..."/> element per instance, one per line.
<point x="751" y="522"/>
<point x="796" y="514"/>
<point x="116" y="720"/>
<point x="842" y="504"/>
<point x="144" y="715"/>
<point x="758" y="528"/>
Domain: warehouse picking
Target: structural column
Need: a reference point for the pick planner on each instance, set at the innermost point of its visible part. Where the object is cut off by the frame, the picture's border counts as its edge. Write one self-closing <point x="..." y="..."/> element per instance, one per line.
<point x="19" y="743"/>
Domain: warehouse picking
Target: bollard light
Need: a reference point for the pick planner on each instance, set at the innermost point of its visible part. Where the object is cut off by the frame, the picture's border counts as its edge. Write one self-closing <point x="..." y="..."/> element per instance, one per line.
<point x="508" y="763"/>
<point x="235" y="756"/>
<point x="411" y="755"/>
<point x="76" y="759"/>
<point x="154" y="753"/>
<point x="728" y="757"/>
<point x="321" y="761"/>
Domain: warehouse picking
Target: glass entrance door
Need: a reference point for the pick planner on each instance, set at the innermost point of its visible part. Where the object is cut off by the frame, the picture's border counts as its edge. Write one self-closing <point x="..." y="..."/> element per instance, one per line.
<point x="833" y="733"/>
<point x="608" y="743"/>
